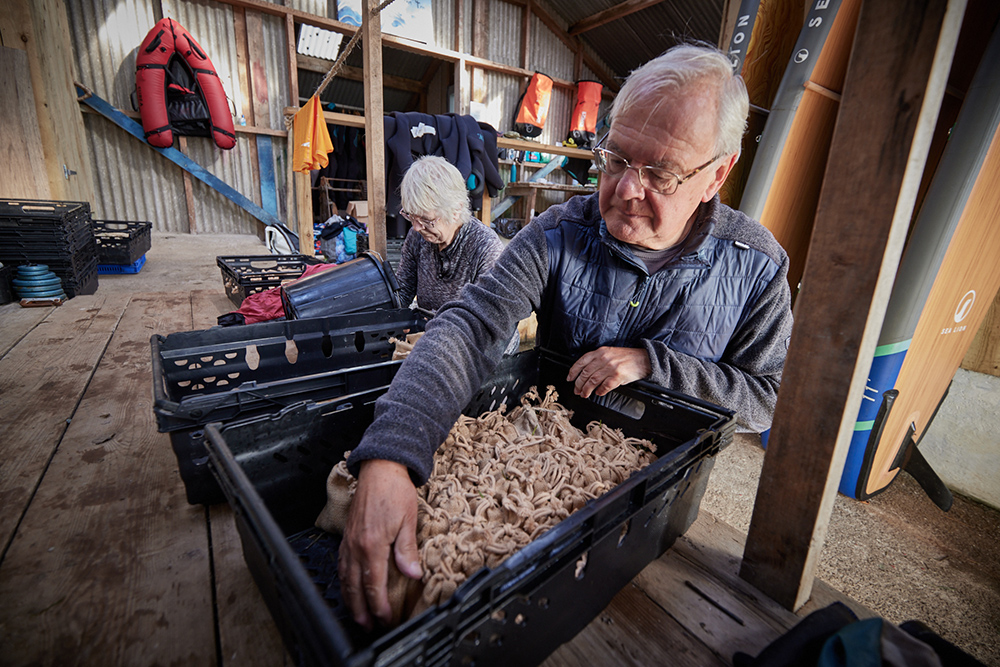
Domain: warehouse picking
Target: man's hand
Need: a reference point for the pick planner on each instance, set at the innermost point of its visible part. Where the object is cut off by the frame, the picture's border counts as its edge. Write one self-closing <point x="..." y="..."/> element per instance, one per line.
<point x="605" y="368"/>
<point x="382" y="523"/>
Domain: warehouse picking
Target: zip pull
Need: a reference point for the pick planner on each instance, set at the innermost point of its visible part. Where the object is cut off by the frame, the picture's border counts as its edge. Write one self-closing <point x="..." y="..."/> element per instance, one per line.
<point x="640" y="288"/>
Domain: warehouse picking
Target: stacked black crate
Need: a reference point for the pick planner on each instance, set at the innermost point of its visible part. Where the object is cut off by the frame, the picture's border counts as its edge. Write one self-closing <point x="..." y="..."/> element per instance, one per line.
<point x="57" y="234"/>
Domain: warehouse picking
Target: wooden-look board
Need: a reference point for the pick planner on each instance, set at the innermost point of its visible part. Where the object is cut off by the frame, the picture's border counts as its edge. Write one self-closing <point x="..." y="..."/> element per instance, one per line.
<point x="782" y="189"/>
<point x="945" y="286"/>
<point x="772" y="27"/>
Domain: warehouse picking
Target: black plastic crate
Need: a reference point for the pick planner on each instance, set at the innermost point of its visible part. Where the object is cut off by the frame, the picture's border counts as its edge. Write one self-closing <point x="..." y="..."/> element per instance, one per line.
<point x="122" y="242"/>
<point x="28" y="238"/>
<point x="226" y="373"/>
<point x="243" y="275"/>
<point x="78" y="282"/>
<point x="273" y="470"/>
<point x="71" y="260"/>
<point x="38" y="214"/>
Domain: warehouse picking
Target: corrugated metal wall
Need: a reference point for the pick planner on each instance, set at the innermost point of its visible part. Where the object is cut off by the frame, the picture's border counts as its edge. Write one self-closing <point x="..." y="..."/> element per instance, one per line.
<point x="133" y="182"/>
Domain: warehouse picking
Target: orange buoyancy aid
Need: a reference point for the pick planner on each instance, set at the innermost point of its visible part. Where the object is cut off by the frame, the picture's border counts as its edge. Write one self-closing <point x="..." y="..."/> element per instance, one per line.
<point x="179" y="90"/>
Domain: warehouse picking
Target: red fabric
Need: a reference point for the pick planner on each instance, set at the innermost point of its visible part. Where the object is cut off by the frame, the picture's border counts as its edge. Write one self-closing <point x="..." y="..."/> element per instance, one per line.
<point x="265" y="306"/>
<point x="167" y="39"/>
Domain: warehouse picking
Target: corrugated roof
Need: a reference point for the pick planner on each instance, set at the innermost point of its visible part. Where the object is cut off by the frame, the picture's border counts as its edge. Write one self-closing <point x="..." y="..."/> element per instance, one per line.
<point x="631" y="40"/>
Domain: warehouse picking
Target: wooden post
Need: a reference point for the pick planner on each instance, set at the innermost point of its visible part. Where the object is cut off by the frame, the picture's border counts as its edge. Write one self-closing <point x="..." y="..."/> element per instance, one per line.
<point x="526" y="35"/>
<point x="463" y="87"/>
<point x="371" y="43"/>
<point x="243" y="68"/>
<point x="41" y="28"/>
<point x="182" y="145"/>
<point x="21" y="174"/>
<point x="299" y="185"/>
<point x="480" y="39"/>
<point x="892" y="94"/>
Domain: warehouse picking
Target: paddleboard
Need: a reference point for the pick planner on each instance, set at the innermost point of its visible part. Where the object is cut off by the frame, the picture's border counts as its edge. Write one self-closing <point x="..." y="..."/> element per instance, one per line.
<point x="946" y="282"/>
<point x="759" y="49"/>
<point x="783" y="186"/>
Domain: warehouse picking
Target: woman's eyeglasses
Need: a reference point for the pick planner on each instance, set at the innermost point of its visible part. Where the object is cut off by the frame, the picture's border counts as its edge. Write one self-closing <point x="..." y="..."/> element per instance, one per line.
<point x="426" y="223"/>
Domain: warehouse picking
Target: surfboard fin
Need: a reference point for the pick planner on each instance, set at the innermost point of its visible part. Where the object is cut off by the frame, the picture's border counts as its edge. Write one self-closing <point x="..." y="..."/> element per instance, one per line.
<point x="918" y="468"/>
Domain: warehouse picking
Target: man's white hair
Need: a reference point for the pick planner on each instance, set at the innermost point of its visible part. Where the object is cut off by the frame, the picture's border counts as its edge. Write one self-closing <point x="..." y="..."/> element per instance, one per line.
<point x="682" y="67"/>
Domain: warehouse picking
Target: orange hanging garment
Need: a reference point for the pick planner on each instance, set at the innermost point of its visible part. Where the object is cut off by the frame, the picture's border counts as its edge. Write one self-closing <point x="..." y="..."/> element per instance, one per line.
<point x="312" y="138"/>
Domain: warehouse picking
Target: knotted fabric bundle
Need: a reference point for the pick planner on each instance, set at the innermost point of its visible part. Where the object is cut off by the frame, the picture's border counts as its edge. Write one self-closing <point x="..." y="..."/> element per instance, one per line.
<point x="499" y="482"/>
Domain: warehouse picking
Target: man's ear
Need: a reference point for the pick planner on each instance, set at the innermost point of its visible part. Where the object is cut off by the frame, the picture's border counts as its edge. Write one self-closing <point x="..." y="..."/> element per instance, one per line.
<point x="719" y="174"/>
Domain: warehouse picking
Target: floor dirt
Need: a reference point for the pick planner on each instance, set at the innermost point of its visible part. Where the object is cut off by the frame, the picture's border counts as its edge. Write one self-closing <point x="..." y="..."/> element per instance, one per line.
<point x="897" y="553"/>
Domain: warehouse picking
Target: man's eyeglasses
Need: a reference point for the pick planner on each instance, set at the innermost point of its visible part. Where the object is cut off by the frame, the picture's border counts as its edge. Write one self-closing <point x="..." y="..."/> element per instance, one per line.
<point x="426" y="223"/>
<point x="652" y="178"/>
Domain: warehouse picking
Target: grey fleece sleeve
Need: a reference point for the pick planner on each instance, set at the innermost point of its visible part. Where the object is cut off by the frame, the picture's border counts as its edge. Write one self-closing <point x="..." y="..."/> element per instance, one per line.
<point x="406" y="272"/>
<point x="462" y="345"/>
<point x="747" y="376"/>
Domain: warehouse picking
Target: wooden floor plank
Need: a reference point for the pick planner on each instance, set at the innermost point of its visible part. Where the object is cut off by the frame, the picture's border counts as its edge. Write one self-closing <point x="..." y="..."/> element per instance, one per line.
<point x="633" y="630"/>
<point x="206" y="306"/>
<point x="719" y="548"/>
<point x="247" y="632"/>
<point x="41" y="381"/>
<point x="16" y="322"/>
<point x="723" y="619"/>
<point x="110" y="564"/>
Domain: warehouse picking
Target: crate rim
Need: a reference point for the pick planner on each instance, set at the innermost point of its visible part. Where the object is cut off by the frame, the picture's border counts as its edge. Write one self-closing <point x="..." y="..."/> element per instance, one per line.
<point x="484" y="586"/>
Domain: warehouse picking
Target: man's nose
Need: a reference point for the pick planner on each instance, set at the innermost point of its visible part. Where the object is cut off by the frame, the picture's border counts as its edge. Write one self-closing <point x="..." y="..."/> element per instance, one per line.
<point x="630" y="185"/>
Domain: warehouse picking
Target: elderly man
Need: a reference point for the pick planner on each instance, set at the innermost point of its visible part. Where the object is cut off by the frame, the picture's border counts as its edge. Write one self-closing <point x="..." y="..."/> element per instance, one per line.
<point x="651" y="278"/>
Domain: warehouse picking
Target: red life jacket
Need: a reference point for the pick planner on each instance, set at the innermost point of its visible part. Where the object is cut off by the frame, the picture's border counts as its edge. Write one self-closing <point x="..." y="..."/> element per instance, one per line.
<point x="178" y="89"/>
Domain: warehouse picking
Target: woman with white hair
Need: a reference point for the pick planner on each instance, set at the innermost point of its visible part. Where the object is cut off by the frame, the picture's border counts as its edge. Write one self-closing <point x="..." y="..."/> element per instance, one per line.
<point x="441" y="253"/>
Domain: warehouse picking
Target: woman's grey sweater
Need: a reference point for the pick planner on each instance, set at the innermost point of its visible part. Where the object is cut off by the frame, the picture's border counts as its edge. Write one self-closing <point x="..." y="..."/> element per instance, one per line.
<point x="437" y="276"/>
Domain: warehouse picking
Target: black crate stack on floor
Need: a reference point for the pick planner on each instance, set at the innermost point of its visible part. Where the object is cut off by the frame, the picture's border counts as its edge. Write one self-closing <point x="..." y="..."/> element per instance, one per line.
<point x="121" y="245"/>
<point x="57" y="234"/>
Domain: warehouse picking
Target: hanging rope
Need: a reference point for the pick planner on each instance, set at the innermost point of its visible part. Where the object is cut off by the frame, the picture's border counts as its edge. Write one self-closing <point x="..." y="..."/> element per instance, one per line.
<point x="335" y="69"/>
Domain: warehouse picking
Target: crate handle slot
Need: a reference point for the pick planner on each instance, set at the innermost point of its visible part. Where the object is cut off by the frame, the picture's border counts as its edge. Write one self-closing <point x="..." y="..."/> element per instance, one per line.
<point x="252" y="357"/>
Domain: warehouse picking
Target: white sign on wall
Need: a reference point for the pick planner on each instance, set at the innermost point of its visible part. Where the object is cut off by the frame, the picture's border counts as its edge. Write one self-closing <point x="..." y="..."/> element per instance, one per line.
<point x="403" y="18"/>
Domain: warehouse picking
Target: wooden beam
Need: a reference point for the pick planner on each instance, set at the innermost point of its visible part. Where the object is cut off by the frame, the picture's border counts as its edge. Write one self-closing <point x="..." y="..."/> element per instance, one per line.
<point x="610" y="14"/>
<point x="182" y="145"/>
<point x="480" y="43"/>
<point x="459" y="23"/>
<point x="371" y="43"/>
<point x="21" y="172"/>
<point x="42" y="29"/>
<point x="322" y="66"/>
<point x="522" y="145"/>
<point x="240" y="129"/>
<point x="606" y="78"/>
<point x="892" y="94"/>
<point x="526" y="34"/>
<point x="462" y="87"/>
<point x="291" y="46"/>
<point x="298" y="186"/>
